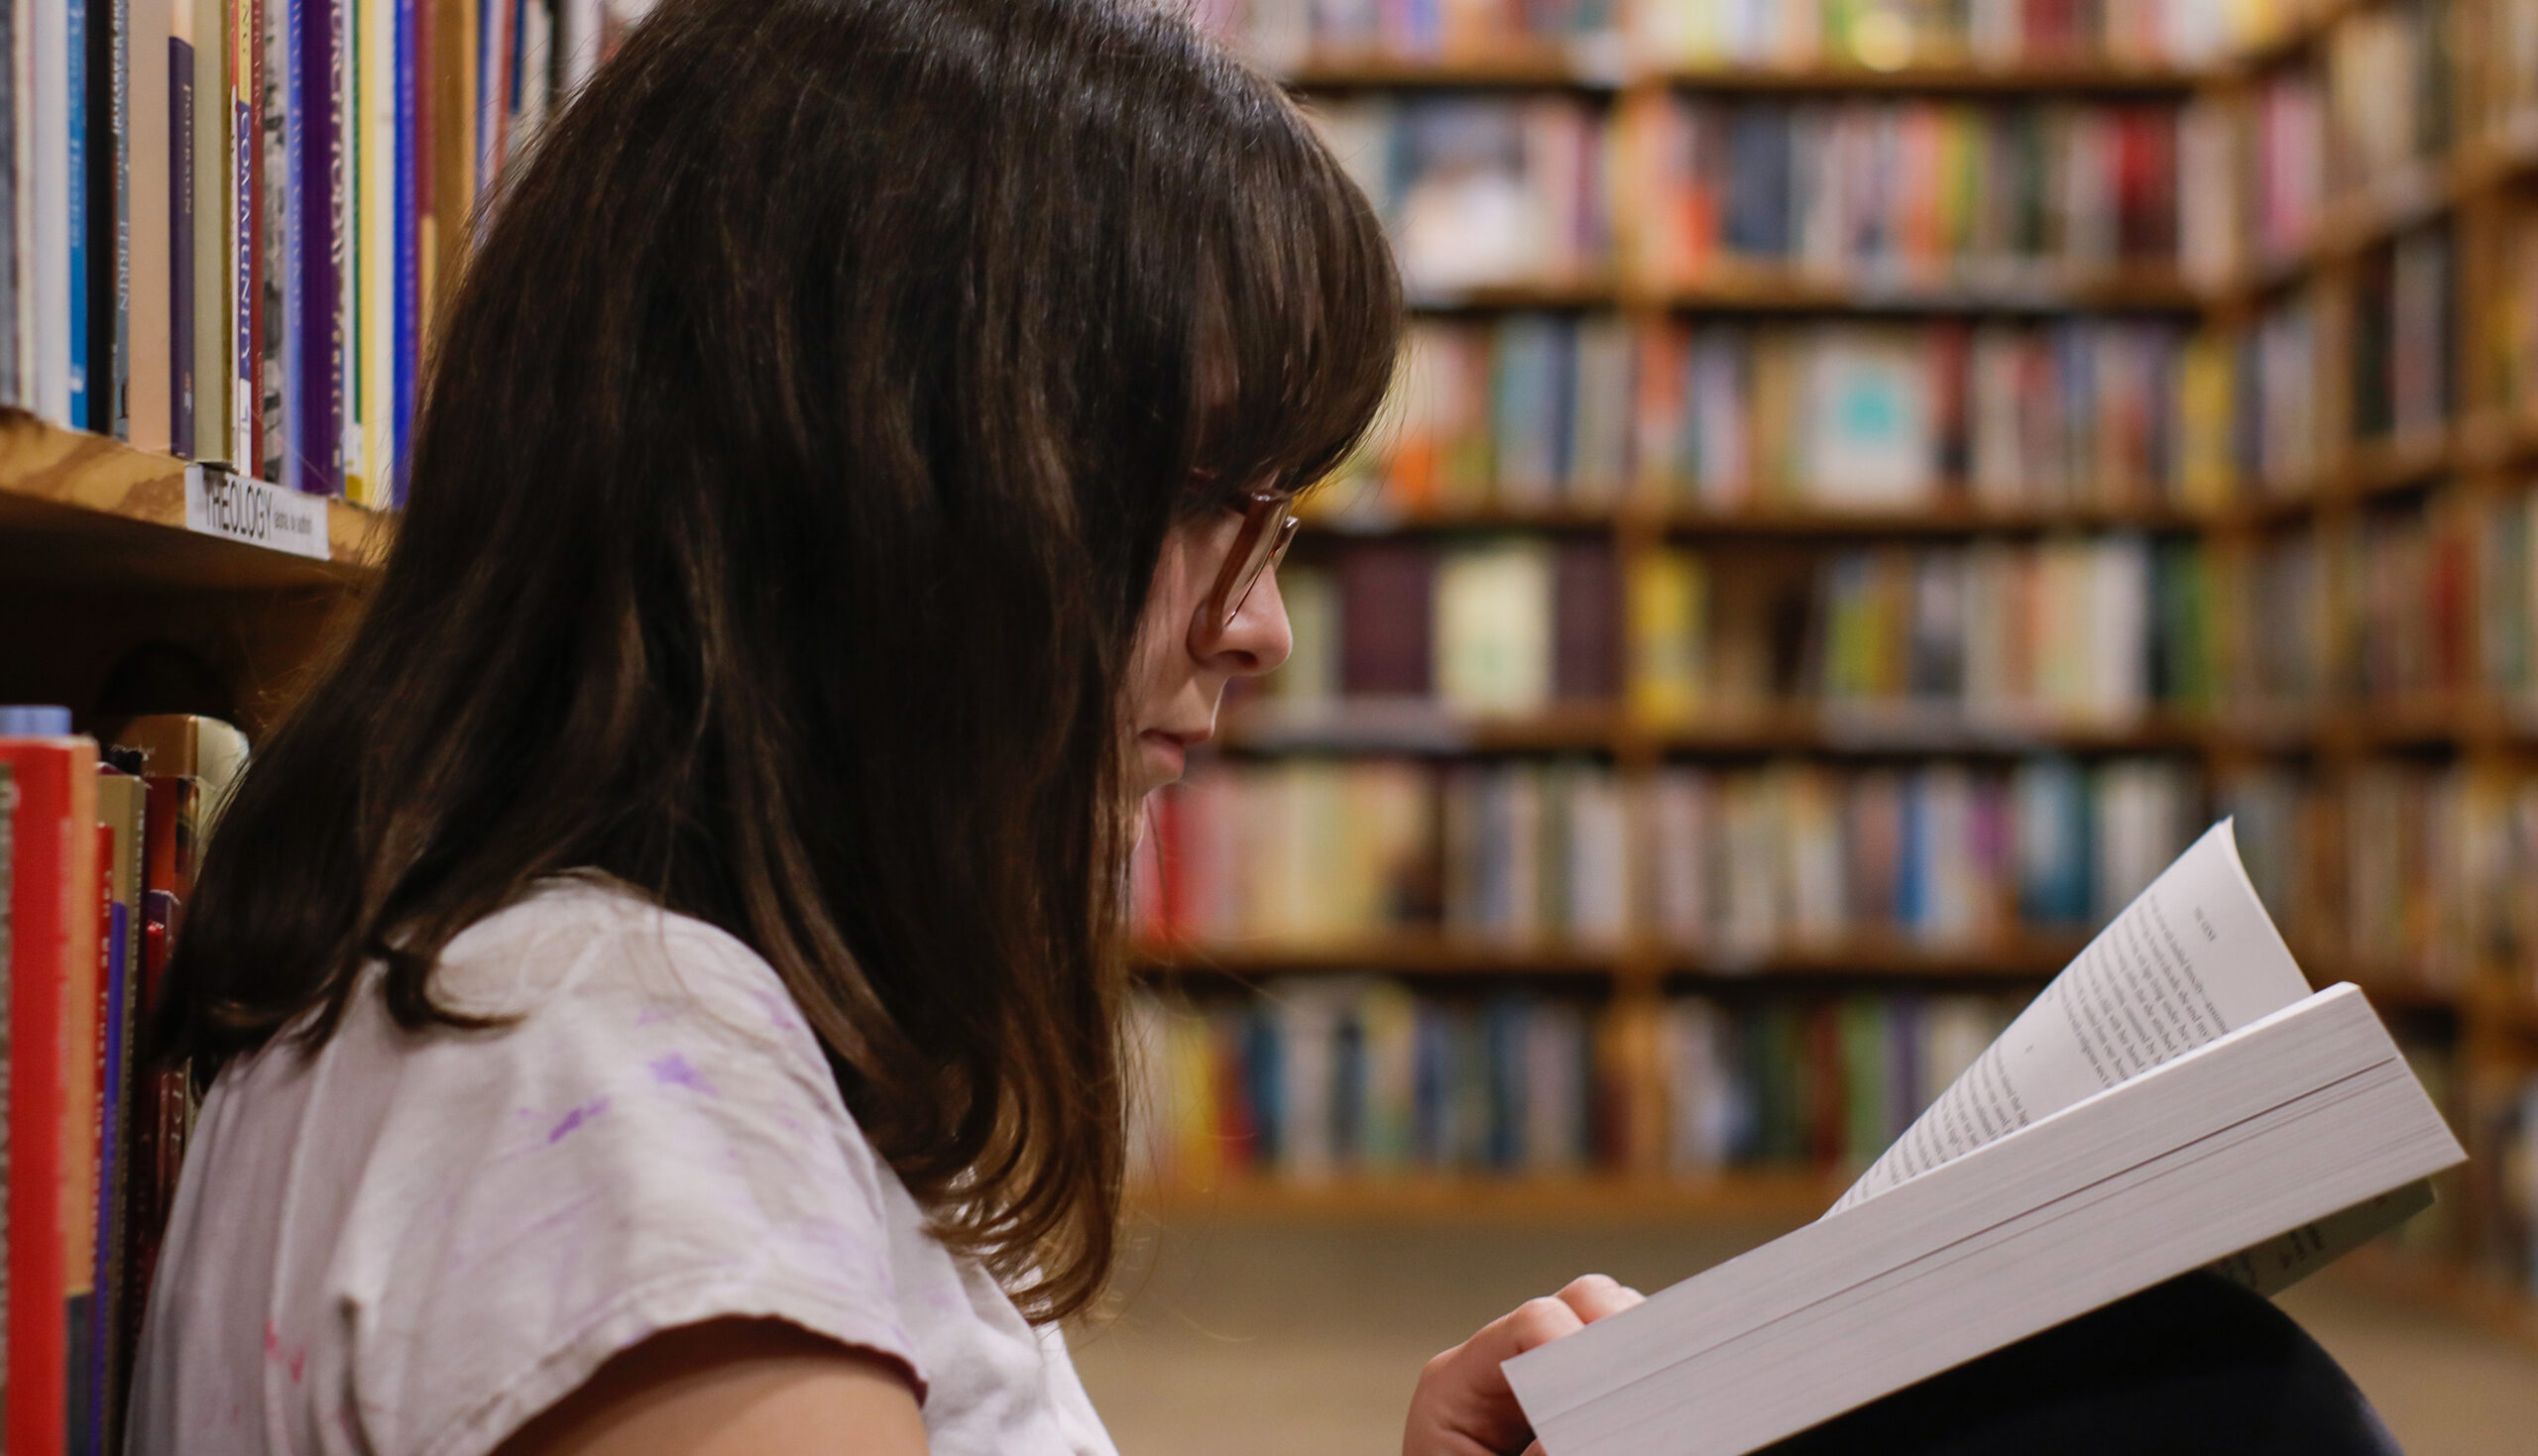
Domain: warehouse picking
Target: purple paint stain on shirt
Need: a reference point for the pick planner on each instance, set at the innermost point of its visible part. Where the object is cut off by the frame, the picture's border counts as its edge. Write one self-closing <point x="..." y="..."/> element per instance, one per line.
<point x="673" y="1071"/>
<point x="652" y="1014"/>
<point x="575" y="1119"/>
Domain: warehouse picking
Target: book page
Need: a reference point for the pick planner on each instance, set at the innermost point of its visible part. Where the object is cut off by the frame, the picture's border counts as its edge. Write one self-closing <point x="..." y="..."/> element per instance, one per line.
<point x="2191" y="960"/>
<point x="2288" y="1258"/>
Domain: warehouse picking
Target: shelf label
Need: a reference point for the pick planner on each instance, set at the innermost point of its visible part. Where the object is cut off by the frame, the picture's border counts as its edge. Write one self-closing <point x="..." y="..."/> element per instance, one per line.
<point x="220" y="504"/>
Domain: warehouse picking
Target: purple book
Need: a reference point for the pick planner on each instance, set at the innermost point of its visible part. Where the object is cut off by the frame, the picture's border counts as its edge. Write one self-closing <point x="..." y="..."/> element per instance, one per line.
<point x="313" y="366"/>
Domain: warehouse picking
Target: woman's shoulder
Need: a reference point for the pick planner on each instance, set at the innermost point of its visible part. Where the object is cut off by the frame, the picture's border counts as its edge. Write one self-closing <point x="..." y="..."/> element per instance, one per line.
<point x="588" y="939"/>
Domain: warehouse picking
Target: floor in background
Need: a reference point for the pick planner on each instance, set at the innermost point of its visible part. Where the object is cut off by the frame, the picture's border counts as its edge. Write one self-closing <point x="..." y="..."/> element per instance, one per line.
<point x="1244" y="1339"/>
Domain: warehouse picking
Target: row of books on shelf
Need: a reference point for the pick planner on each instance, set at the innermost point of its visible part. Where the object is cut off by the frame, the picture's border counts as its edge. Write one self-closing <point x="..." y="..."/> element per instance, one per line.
<point x="2507" y="1181"/>
<point x="2059" y="632"/>
<point x="1732" y="865"/>
<point x="231" y="216"/>
<point x="2422" y="603"/>
<point x="2425" y="604"/>
<point x="1314" y="1079"/>
<point x="2372" y="133"/>
<point x="2404" y="338"/>
<point x="1917" y="196"/>
<point x="1529" y="409"/>
<point x="2070" y="631"/>
<point x="2089" y="412"/>
<point x="1533" y="410"/>
<point x="2000" y="33"/>
<point x="97" y="860"/>
<point x="1501" y="624"/>
<point x="1480" y="191"/>
<point x="1708" y="34"/>
<point x="2434" y="874"/>
<point x="1868" y="199"/>
<point x="2392" y="88"/>
<point x="1866" y="196"/>
<point x="2078" y="630"/>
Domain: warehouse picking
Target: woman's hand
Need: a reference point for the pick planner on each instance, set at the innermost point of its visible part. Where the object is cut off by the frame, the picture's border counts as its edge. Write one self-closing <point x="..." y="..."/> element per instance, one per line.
<point x="1464" y="1407"/>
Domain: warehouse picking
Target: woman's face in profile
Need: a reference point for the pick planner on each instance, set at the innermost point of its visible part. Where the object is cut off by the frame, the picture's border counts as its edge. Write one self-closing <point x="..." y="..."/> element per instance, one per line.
<point x="1183" y="659"/>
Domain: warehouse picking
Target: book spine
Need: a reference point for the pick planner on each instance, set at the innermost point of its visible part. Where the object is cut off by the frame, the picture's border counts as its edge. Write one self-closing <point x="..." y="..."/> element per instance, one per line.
<point x="84" y="410"/>
<point x="377" y="259"/>
<point x="124" y="798"/>
<point x="246" y="238"/>
<point x="110" y="33"/>
<point x="276" y="201"/>
<point x="214" y="293"/>
<point x="89" y="1399"/>
<point x="352" y="471"/>
<point x="47" y="74"/>
<point x="299" y="51"/>
<point x="182" y="190"/>
<point x="9" y="1069"/>
<point x="407" y="233"/>
<point x="323" y="182"/>
<point x="14" y="323"/>
<point x="52" y="915"/>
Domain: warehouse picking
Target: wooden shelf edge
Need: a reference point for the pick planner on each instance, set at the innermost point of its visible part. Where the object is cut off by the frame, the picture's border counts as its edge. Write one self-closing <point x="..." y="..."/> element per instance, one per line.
<point x="1772" y="1197"/>
<point x="2021" y="957"/>
<point x="1726" y="287"/>
<point x="1945" y="76"/>
<point x="1587" y="65"/>
<point x="117" y="500"/>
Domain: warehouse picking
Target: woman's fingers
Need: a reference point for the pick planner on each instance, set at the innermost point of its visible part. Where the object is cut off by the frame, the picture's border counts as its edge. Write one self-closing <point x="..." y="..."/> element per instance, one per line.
<point x="1464" y="1404"/>
<point x="1596" y="1295"/>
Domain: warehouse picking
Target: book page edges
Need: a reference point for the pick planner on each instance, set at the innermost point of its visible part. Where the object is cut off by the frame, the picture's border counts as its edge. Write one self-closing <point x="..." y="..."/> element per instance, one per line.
<point x="1819" y="1356"/>
<point x="1921" y="1218"/>
<point x="2288" y="1258"/>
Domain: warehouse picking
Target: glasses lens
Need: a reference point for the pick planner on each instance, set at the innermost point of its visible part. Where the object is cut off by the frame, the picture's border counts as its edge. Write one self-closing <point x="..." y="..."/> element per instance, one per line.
<point x="1267" y="530"/>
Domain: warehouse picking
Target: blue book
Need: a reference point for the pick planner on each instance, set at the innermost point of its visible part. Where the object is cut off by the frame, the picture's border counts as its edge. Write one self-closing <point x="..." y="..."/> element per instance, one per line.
<point x="1348" y="1092"/>
<point x="404" y="284"/>
<point x="1912" y="876"/>
<point x="1432" y="1090"/>
<point x="1504" y="1034"/>
<point x="1265" y="1084"/>
<point x="77" y="95"/>
<point x="114" y="184"/>
<point x="90" y="1425"/>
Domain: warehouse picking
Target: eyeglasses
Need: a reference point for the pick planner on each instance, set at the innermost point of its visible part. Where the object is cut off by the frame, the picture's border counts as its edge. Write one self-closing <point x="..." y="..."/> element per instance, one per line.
<point x="1268" y="529"/>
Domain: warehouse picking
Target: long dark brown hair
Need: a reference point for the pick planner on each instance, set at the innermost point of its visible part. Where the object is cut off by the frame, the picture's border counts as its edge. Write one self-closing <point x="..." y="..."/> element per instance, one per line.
<point x="787" y="485"/>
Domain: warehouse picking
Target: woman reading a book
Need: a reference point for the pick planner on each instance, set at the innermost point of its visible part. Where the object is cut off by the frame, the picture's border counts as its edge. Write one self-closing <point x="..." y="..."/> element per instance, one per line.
<point x="658" y="990"/>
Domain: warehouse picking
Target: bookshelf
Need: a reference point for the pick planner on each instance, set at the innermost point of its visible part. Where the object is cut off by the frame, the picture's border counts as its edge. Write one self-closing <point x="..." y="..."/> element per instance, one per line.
<point x="112" y="593"/>
<point x="96" y="548"/>
<point x="2309" y="735"/>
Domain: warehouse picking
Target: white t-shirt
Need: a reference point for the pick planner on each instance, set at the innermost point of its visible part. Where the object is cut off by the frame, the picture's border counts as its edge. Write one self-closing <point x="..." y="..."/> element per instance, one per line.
<point x="409" y="1243"/>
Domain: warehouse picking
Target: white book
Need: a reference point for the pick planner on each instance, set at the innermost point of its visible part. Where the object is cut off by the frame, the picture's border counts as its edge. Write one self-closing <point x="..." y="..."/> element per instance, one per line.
<point x="2174" y="1100"/>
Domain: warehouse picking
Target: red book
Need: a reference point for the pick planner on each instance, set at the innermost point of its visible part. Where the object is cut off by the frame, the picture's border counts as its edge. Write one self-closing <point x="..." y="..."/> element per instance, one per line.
<point x="53" y="910"/>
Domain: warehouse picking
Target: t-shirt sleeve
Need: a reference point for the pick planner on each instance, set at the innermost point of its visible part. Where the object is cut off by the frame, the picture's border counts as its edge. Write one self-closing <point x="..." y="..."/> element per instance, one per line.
<point x="656" y="1143"/>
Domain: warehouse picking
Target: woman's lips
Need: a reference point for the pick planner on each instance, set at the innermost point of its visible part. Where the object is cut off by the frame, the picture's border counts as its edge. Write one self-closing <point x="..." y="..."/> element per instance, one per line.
<point x="1169" y="753"/>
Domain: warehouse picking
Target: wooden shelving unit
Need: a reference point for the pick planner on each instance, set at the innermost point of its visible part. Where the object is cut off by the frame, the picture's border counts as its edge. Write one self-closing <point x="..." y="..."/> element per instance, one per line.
<point x="97" y="563"/>
<point x="2107" y="81"/>
<point x="80" y="509"/>
<point x="2485" y="444"/>
<point x="2027" y="958"/>
<point x="102" y="580"/>
<point x="1763" y="1200"/>
<point x="1770" y="291"/>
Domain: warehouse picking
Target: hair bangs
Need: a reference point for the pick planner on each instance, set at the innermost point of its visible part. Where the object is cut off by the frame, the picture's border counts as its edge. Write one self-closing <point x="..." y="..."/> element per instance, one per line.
<point x="1307" y="318"/>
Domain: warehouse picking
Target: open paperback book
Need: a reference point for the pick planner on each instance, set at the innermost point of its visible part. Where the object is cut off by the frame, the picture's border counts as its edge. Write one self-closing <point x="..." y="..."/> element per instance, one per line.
<point x="2175" y="1099"/>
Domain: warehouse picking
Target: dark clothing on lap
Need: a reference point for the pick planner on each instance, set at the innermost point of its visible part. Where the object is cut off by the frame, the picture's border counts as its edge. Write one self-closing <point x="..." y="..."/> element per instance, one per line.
<point x="2195" y="1367"/>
